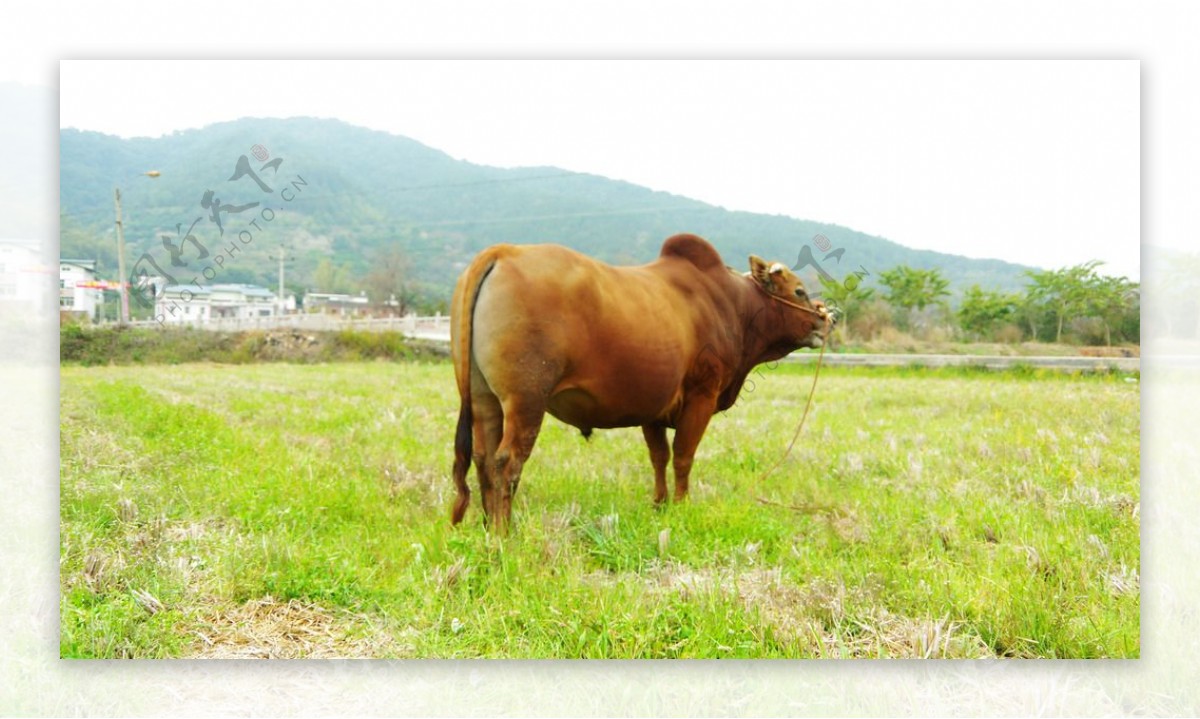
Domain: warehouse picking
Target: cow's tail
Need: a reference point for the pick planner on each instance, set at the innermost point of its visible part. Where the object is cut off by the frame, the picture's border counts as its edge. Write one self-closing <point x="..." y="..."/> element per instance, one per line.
<point x="462" y="313"/>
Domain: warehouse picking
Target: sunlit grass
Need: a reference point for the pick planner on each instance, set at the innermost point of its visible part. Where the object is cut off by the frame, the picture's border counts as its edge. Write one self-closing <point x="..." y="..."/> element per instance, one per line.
<point x="302" y="510"/>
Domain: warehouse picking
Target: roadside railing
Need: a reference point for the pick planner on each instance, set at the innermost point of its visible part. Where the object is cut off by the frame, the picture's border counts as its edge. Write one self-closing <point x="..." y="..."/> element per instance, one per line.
<point x="436" y="327"/>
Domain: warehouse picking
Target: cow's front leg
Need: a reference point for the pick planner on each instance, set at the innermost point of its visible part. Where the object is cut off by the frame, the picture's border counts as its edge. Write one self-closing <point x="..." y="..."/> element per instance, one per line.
<point x="689" y="429"/>
<point x="660" y="453"/>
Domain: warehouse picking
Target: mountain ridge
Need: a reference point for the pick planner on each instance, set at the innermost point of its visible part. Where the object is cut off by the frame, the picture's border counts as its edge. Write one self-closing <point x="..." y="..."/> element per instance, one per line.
<point x="368" y="190"/>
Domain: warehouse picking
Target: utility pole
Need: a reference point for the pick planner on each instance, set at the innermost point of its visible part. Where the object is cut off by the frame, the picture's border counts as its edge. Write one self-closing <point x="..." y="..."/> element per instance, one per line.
<point x="282" y="258"/>
<point x="121" y="259"/>
<point x="121" y="278"/>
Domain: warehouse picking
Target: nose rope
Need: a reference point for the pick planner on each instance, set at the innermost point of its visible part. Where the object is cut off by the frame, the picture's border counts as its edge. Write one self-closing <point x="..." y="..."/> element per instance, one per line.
<point x="807" y="405"/>
<point x="777" y="298"/>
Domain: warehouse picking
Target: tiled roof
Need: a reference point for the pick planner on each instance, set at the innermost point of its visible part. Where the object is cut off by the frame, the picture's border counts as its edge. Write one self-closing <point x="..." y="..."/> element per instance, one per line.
<point x="179" y="289"/>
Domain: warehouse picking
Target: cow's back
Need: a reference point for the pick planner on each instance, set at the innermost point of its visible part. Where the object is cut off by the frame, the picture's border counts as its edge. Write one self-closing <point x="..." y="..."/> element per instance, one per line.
<point x="606" y="346"/>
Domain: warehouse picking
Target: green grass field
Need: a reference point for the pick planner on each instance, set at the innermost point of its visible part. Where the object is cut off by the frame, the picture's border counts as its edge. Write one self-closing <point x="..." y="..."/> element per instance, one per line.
<point x="291" y="510"/>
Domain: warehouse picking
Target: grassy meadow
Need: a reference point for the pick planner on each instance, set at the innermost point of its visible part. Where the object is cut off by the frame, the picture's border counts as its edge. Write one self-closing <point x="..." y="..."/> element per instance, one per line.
<point x="302" y="510"/>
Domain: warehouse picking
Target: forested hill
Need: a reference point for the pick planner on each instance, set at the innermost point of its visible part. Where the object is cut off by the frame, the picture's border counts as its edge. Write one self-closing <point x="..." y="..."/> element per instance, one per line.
<point x="356" y="193"/>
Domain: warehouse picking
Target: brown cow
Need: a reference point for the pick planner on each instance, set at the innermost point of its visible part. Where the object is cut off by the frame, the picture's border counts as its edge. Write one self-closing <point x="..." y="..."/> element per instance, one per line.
<point x="542" y="328"/>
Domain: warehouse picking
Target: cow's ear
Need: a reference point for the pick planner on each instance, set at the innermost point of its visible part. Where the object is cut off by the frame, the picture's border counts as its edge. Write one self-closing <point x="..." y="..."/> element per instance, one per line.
<point x="760" y="271"/>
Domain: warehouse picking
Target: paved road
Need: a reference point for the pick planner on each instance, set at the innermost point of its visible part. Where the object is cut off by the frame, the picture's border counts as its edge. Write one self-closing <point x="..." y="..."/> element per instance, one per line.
<point x="1127" y="364"/>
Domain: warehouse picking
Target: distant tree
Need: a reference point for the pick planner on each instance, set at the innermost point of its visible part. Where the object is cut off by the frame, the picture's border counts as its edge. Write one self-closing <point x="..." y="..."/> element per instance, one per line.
<point x="78" y="242"/>
<point x="1055" y="293"/>
<point x="1129" y="326"/>
<point x="1110" y="300"/>
<point x="1080" y="292"/>
<point x="1063" y="294"/>
<point x="982" y="312"/>
<point x="328" y="277"/>
<point x="1039" y="300"/>
<point x="388" y="282"/>
<point x="912" y="290"/>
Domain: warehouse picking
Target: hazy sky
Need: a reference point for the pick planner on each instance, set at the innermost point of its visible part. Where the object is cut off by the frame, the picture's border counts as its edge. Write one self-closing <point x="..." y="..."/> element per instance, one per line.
<point x="1028" y="161"/>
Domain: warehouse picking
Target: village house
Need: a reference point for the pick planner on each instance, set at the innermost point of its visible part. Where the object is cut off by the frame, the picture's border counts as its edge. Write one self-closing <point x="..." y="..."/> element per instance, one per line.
<point x="182" y="305"/>
<point x="80" y="291"/>
<point x="338" y="305"/>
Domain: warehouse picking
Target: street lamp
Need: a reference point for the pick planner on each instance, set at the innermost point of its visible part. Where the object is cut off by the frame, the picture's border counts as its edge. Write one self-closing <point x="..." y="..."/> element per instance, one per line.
<point x="121" y="279"/>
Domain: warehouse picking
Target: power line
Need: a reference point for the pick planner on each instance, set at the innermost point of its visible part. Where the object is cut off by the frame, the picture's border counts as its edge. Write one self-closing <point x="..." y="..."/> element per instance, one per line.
<point x="498" y="181"/>
<point x="506" y="220"/>
<point x="564" y="216"/>
<point x="74" y="215"/>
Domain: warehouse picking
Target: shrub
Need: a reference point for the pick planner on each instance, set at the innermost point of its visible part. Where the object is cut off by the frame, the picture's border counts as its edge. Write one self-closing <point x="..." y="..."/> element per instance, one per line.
<point x="891" y="337"/>
<point x="936" y="333"/>
<point x="124" y="345"/>
<point x="871" y="320"/>
<point x="371" y="345"/>
<point x="1009" y="334"/>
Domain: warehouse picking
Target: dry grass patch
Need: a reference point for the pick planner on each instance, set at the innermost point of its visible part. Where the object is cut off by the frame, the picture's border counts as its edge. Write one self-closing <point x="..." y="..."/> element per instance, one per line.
<point x="404" y="484"/>
<point x="829" y="618"/>
<point x="823" y="617"/>
<point x="267" y="628"/>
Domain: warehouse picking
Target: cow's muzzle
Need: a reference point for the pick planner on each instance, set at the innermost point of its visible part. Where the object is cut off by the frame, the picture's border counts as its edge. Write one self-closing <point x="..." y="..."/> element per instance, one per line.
<point x="815" y="339"/>
<point x="829" y="318"/>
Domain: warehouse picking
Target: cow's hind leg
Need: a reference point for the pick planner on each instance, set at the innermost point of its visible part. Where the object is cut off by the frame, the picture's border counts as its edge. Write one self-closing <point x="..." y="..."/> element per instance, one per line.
<point x="660" y="454"/>
<point x="488" y="428"/>
<point x="463" y="449"/>
<point x="522" y="423"/>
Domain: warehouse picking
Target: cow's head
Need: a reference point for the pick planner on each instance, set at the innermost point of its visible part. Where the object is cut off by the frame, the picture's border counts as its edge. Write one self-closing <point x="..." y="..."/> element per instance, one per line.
<point x="804" y="321"/>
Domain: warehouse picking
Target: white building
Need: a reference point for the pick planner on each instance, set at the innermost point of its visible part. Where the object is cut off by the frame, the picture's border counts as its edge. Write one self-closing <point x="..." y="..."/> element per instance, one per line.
<point x="183" y="305"/>
<point x="341" y="305"/>
<point x="79" y="289"/>
<point x="24" y="276"/>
